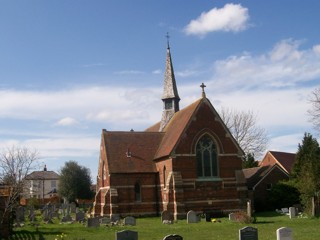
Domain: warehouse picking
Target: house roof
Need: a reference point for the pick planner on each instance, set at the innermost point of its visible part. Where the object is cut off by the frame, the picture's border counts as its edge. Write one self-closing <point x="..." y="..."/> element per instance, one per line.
<point x="256" y="174"/>
<point x="284" y="159"/>
<point x="43" y="175"/>
<point x="131" y="151"/>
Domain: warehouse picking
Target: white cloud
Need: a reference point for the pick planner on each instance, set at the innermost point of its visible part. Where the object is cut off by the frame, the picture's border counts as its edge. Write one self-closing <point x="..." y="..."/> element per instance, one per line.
<point x="285" y="65"/>
<point x="316" y="49"/>
<point x="67" y="121"/>
<point x="230" y="18"/>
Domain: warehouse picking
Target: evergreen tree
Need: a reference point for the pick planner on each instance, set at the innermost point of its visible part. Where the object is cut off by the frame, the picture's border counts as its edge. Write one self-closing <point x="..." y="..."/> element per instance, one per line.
<point x="249" y="162"/>
<point x="306" y="170"/>
<point x="75" y="182"/>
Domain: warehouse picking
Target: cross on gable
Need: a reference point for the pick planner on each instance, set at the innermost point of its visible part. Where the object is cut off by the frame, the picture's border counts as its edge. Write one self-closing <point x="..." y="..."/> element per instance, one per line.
<point x="203" y="92"/>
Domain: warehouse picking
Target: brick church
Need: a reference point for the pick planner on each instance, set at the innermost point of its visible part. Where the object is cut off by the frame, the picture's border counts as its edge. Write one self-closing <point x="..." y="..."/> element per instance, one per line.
<point x="186" y="161"/>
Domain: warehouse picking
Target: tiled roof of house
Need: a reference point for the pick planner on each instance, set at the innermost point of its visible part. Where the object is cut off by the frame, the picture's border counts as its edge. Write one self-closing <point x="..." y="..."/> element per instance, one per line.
<point x="286" y="160"/>
<point x="254" y="175"/>
<point x="43" y="175"/>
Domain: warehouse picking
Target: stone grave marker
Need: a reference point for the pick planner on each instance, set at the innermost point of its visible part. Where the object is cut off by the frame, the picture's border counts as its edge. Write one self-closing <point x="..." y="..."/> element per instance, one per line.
<point x="130" y="221"/>
<point x="232" y="217"/>
<point x="115" y="217"/>
<point x="20" y="214"/>
<point x="192" y="217"/>
<point x="73" y="207"/>
<point x="249" y="209"/>
<point x="166" y="217"/>
<point x="292" y="212"/>
<point x="248" y="233"/>
<point x="80" y="216"/>
<point x="284" y="234"/>
<point x="105" y="220"/>
<point x="127" y="235"/>
<point x="93" y="222"/>
<point x="173" y="237"/>
<point x="66" y="218"/>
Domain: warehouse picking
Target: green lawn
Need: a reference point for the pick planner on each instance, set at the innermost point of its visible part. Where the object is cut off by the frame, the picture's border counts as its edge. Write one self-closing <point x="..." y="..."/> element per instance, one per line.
<point x="152" y="228"/>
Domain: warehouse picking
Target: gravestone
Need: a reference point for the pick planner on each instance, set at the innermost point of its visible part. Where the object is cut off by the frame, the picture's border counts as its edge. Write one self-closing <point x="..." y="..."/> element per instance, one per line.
<point x="115" y="217"/>
<point x="166" y="217"/>
<point x="248" y="233"/>
<point x="232" y="216"/>
<point x="292" y="212"/>
<point x="20" y="214"/>
<point x="249" y="209"/>
<point x="173" y="237"/>
<point x="93" y="222"/>
<point x="80" y="216"/>
<point x="284" y="210"/>
<point x="73" y="207"/>
<point x="192" y="217"/>
<point x="127" y="235"/>
<point x="130" y="221"/>
<point x="284" y="234"/>
<point x="105" y="220"/>
<point x="66" y="218"/>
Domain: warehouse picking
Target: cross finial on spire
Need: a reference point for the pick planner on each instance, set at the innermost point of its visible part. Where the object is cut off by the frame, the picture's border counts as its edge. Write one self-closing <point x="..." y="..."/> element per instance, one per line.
<point x="168" y="36"/>
<point x="203" y="92"/>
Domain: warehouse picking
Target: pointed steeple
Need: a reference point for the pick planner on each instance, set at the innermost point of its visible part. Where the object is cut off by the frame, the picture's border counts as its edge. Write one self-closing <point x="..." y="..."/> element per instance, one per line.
<point x="170" y="96"/>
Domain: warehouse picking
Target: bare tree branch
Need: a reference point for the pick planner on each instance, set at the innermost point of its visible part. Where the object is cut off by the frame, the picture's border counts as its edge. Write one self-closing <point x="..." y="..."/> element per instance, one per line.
<point x="15" y="164"/>
<point x="243" y="126"/>
<point x="314" y="112"/>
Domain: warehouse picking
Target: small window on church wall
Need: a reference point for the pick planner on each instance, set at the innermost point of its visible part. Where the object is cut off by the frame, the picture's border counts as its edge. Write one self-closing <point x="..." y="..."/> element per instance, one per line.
<point x="137" y="192"/>
<point x="206" y="154"/>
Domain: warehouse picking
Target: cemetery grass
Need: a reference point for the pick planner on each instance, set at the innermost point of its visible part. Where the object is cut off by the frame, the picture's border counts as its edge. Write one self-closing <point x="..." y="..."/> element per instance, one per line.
<point x="152" y="228"/>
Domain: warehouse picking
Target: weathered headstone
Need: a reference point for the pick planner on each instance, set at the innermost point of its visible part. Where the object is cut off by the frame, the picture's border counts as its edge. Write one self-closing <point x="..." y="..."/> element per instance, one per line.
<point x="20" y="214"/>
<point x="80" y="216"/>
<point x="232" y="216"/>
<point x="129" y="221"/>
<point x="284" y="234"/>
<point x="248" y="233"/>
<point x="73" y="207"/>
<point x="192" y="217"/>
<point x="292" y="212"/>
<point x="173" y="237"/>
<point x="115" y="217"/>
<point x="284" y="210"/>
<point x="66" y="218"/>
<point x="249" y="209"/>
<point x="166" y="217"/>
<point x="93" y="222"/>
<point x="127" y="235"/>
<point x="105" y="220"/>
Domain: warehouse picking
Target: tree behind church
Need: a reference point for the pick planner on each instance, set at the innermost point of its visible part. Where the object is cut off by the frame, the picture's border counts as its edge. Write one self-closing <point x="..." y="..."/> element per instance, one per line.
<point x="244" y="128"/>
<point x="75" y="182"/>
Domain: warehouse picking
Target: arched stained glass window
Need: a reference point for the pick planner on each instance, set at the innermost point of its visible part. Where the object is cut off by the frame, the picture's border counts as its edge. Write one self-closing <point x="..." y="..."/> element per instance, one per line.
<point x="206" y="154"/>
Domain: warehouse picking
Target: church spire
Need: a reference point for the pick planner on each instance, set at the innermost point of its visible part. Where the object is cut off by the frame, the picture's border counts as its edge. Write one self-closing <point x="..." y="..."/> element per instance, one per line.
<point x="170" y="96"/>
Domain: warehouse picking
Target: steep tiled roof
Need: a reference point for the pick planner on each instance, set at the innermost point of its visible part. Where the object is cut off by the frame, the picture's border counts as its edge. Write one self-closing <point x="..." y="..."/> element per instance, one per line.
<point x="45" y="175"/>
<point x="131" y="151"/>
<point x="286" y="160"/>
<point x="175" y="128"/>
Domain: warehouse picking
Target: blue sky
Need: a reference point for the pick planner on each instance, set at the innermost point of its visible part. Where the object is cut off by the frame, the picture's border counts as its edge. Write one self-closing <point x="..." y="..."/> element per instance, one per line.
<point x="68" y="69"/>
